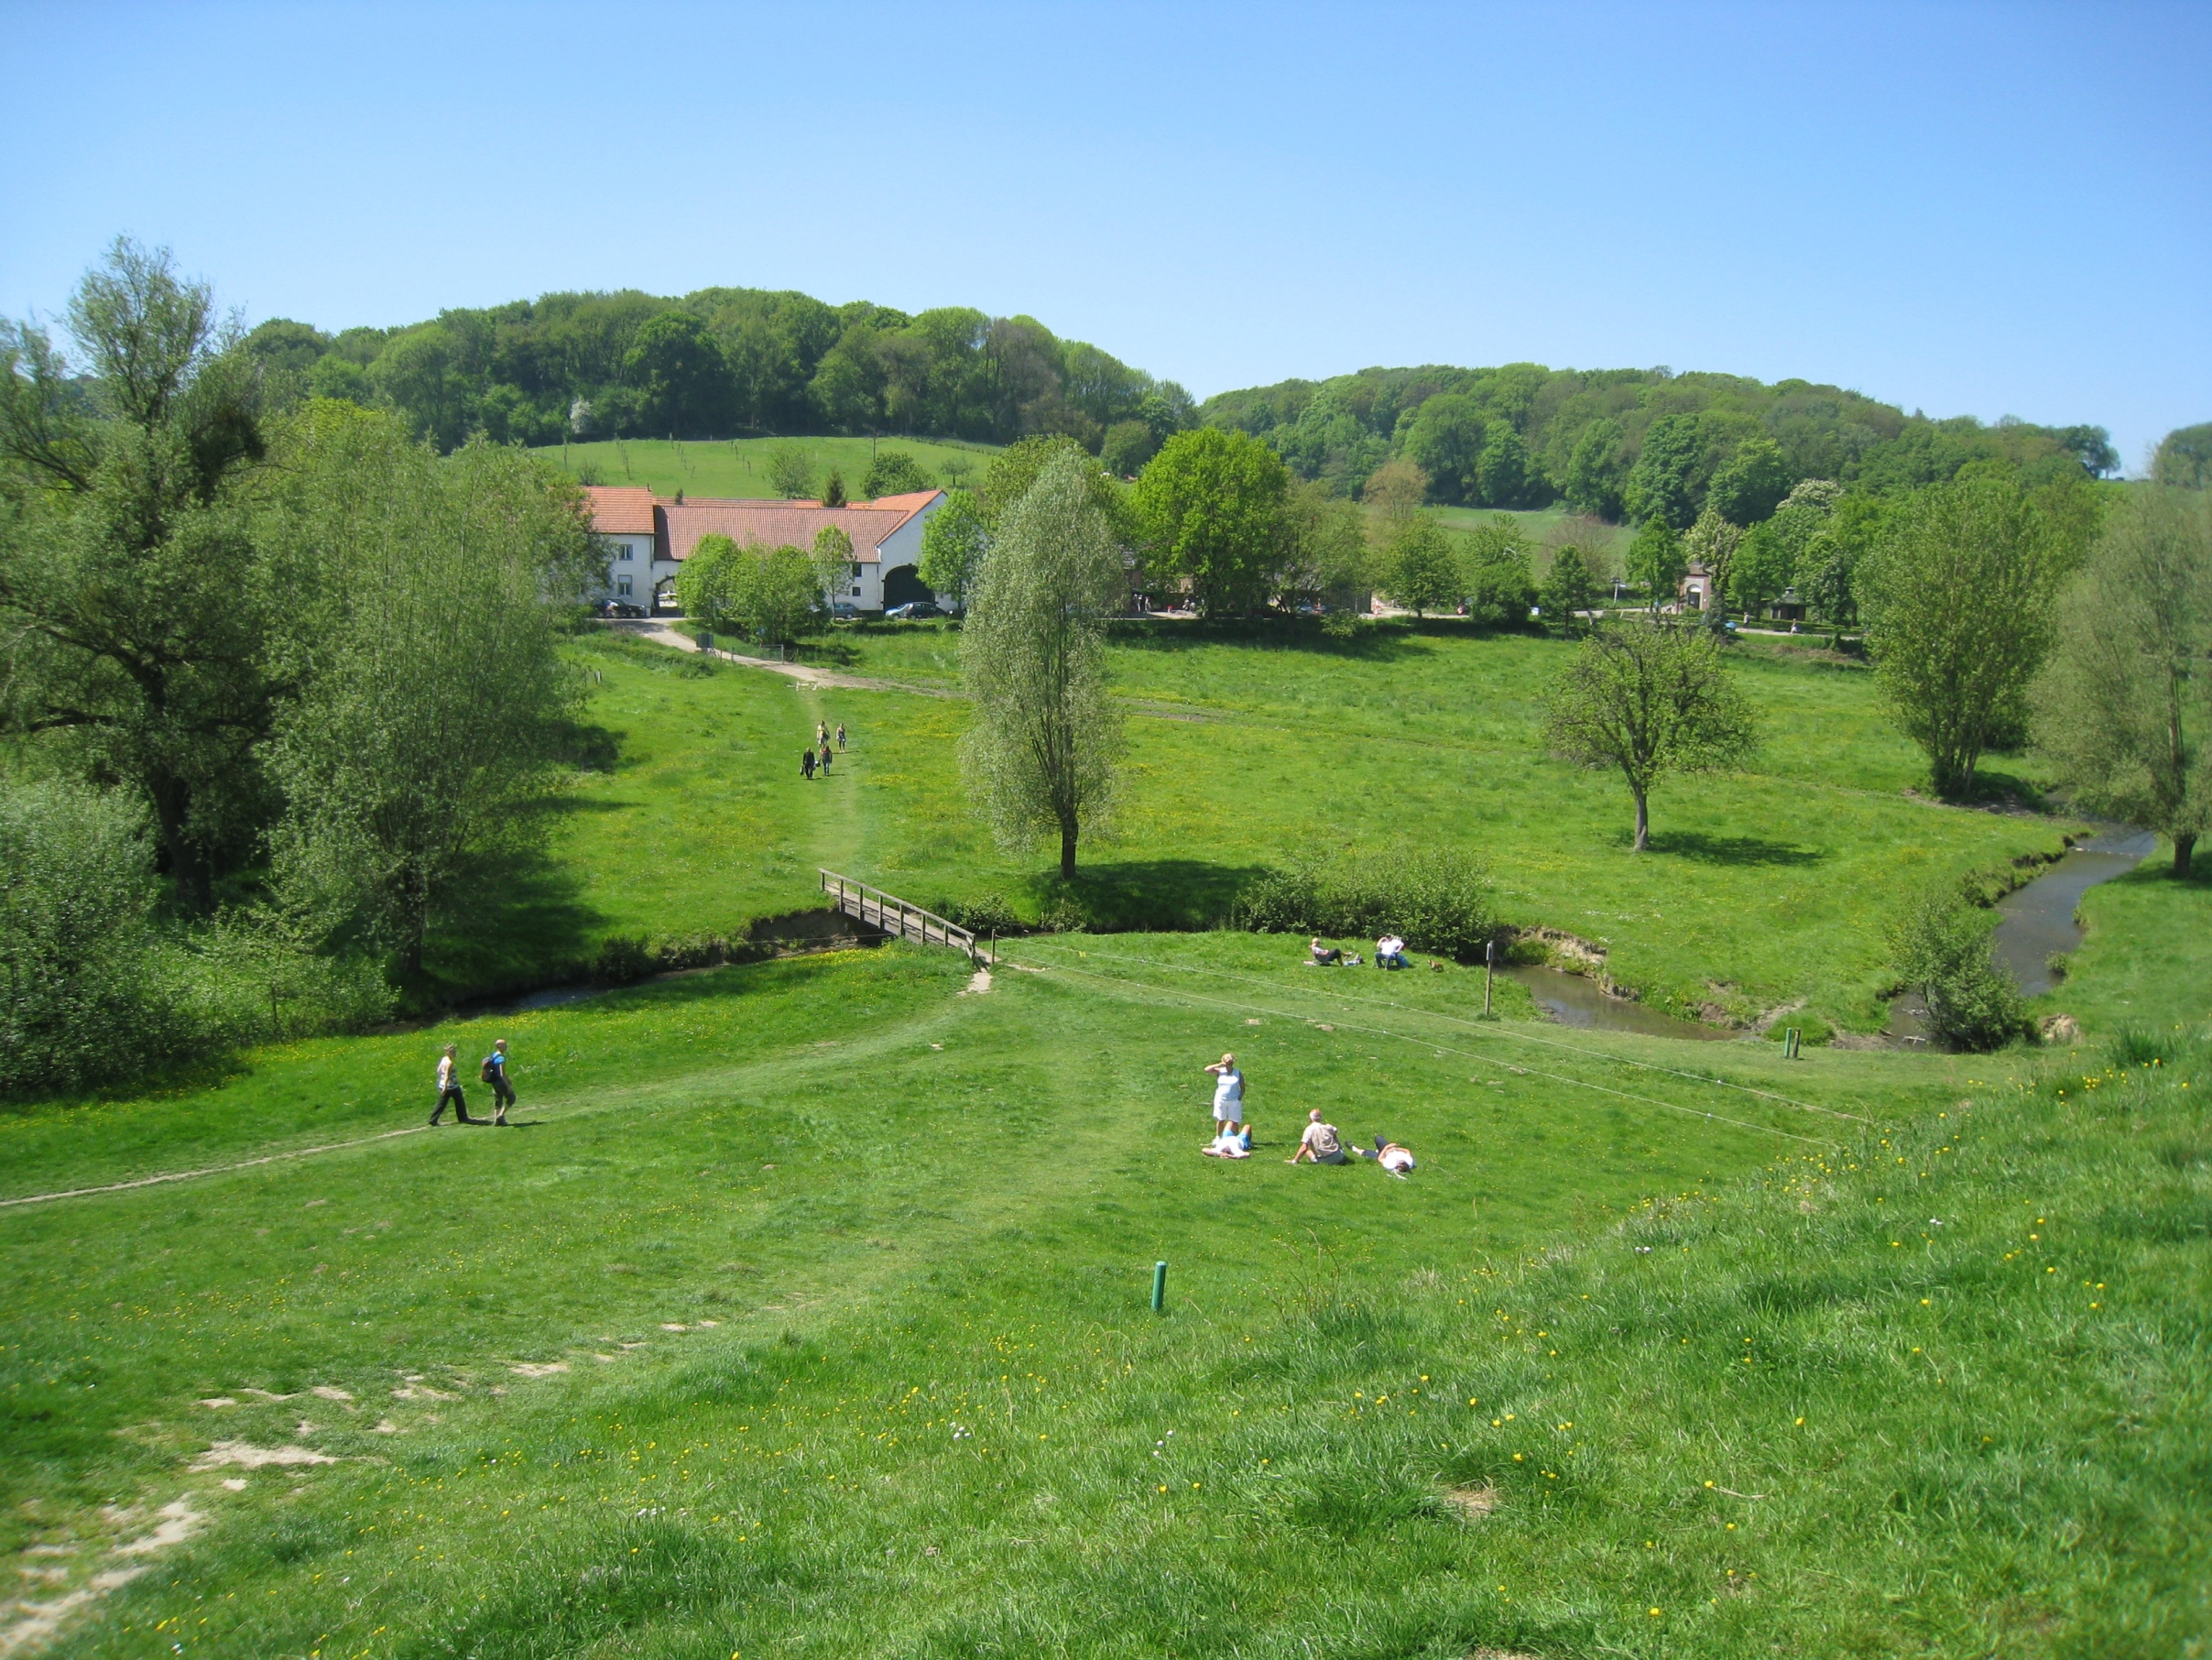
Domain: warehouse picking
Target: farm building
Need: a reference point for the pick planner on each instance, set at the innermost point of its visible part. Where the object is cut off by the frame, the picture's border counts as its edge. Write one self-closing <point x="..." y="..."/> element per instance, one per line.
<point x="650" y="536"/>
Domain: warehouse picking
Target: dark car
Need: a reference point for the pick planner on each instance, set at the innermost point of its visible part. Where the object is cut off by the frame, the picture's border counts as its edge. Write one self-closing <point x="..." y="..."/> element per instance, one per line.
<point x="616" y="607"/>
<point x="843" y="610"/>
<point x="914" y="610"/>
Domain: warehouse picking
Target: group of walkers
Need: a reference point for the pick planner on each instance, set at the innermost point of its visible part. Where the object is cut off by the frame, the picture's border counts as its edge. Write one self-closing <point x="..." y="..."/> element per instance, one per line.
<point x="816" y="757"/>
<point x="1319" y="1144"/>
<point x="491" y="1070"/>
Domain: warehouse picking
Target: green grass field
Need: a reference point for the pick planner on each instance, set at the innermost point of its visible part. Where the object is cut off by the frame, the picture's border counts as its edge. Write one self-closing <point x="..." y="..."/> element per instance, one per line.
<point x="805" y="1311"/>
<point x="739" y="466"/>
<point x="1545" y="526"/>
<point x="1764" y="887"/>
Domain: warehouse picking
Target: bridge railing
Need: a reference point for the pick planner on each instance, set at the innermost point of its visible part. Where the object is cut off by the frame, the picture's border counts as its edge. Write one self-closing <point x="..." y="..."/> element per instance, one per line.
<point x="893" y="914"/>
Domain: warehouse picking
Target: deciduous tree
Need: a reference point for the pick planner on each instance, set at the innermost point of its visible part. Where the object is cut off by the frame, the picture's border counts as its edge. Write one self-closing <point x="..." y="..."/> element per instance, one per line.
<point x="1656" y="563"/>
<point x="1648" y="699"/>
<point x="1958" y="600"/>
<point x="2123" y="712"/>
<point x="1041" y="754"/>
<point x="1419" y="568"/>
<point x="952" y="547"/>
<point x="1596" y="470"/>
<point x="893" y="472"/>
<point x="1663" y="482"/>
<point x="1210" y="505"/>
<point x="1494" y="573"/>
<point x="1567" y="592"/>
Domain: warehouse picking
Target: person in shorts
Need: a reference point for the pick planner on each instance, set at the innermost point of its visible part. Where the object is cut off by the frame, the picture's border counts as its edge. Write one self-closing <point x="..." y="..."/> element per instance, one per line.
<point x="1228" y="1095"/>
<point x="1390" y="1155"/>
<point x="1319" y="1143"/>
<point x="448" y="1088"/>
<point x="495" y="1073"/>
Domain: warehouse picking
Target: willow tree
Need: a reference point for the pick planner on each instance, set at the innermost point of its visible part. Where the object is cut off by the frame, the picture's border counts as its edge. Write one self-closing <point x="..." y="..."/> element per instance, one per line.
<point x="1041" y="754"/>
<point x="2124" y="715"/>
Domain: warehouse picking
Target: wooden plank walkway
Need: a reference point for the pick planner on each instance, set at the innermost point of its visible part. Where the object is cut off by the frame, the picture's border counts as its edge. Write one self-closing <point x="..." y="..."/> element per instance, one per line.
<point x="893" y="914"/>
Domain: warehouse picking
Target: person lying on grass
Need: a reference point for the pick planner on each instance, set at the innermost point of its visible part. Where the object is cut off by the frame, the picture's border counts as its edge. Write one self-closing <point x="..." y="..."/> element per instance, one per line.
<point x="1230" y="1144"/>
<point x="1319" y="1142"/>
<point x="1393" y="1158"/>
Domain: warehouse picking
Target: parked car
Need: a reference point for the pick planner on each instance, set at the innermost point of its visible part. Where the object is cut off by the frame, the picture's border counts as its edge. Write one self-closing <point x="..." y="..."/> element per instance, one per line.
<point x="614" y="608"/>
<point x="914" y="610"/>
<point x="843" y="610"/>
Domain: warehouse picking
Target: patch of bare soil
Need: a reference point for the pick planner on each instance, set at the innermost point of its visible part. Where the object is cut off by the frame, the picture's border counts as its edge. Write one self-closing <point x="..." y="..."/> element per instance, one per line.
<point x="1472" y="1503"/>
<point x="249" y="1457"/>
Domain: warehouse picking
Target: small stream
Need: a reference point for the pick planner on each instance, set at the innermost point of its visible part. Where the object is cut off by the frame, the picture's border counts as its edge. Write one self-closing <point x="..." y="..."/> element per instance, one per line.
<point x="1574" y="1000"/>
<point x="2037" y="920"/>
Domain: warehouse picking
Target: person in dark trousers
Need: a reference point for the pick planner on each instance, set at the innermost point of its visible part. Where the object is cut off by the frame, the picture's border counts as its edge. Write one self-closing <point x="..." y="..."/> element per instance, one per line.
<point x="495" y="1073"/>
<point x="448" y="1088"/>
<point x="806" y="764"/>
<point x="824" y="762"/>
<point x="840" y="737"/>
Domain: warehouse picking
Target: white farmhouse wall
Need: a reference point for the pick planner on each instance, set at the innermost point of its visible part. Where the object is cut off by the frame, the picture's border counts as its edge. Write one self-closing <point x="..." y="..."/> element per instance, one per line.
<point x="630" y="556"/>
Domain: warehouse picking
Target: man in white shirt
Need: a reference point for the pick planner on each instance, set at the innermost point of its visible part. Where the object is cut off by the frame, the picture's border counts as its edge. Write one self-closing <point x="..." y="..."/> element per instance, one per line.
<point x="1228" y="1094"/>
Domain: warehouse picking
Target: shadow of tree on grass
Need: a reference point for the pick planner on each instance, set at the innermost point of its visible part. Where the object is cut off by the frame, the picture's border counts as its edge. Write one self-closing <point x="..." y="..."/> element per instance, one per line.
<point x="1164" y="895"/>
<point x="1734" y="849"/>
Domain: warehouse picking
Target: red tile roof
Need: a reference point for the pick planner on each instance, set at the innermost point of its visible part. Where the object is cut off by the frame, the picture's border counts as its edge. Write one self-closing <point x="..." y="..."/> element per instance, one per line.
<point x="780" y="523"/>
<point x="621" y="509"/>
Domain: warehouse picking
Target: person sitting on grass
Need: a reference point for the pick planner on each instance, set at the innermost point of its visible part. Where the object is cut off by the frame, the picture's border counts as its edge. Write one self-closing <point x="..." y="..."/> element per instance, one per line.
<point x="1325" y="955"/>
<point x="1392" y="1157"/>
<point x="1390" y="952"/>
<point x="1319" y="1143"/>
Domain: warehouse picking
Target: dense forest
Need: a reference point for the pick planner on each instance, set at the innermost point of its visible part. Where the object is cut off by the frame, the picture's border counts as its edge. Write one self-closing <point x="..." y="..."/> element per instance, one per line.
<point x="724" y="362"/>
<point x="1634" y="444"/>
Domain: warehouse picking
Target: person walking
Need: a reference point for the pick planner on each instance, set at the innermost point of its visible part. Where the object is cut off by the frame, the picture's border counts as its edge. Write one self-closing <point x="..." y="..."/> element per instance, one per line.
<point x="495" y="1073"/>
<point x="822" y="734"/>
<point x="806" y="765"/>
<point x="1228" y="1095"/>
<point x="840" y="737"/>
<point x="448" y="1088"/>
<point x="824" y="763"/>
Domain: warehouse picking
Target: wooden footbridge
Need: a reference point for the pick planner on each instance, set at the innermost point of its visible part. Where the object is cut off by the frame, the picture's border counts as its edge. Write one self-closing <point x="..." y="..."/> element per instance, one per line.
<point x="893" y="915"/>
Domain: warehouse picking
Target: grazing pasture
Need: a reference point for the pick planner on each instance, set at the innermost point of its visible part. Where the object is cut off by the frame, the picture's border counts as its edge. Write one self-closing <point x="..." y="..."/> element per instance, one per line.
<point x="739" y="466"/>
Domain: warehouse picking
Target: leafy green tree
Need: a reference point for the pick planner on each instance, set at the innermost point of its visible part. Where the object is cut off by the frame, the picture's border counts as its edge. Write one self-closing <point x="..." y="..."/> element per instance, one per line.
<point x="1712" y="545"/>
<point x="1597" y="470"/>
<point x="833" y="491"/>
<point x="790" y="474"/>
<point x="1502" y="474"/>
<point x="1941" y="944"/>
<point x="1649" y="699"/>
<point x="711" y="584"/>
<point x="834" y="565"/>
<point x="1126" y="446"/>
<point x="1211" y="507"/>
<point x="286" y="346"/>
<point x="1324" y="549"/>
<point x="1656" y="562"/>
<point x="1828" y="571"/>
<point x="1446" y="441"/>
<point x="341" y="378"/>
<point x="2184" y="460"/>
<point x="132" y="596"/>
<point x="1663" y="482"/>
<point x="1396" y="489"/>
<point x="1041" y="753"/>
<point x="434" y="700"/>
<point x="1419" y="569"/>
<point x="2123" y="712"/>
<point x="1752" y="483"/>
<point x="953" y="544"/>
<point x="1958" y="597"/>
<point x="420" y="375"/>
<point x="893" y="472"/>
<point x="1567" y="592"/>
<point x="1016" y="467"/>
<point x="1494" y="574"/>
<point x="682" y="376"/>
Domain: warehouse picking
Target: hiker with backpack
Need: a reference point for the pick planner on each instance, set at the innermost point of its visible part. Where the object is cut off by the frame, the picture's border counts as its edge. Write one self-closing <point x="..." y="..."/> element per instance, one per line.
<point x="494" y="1072"/>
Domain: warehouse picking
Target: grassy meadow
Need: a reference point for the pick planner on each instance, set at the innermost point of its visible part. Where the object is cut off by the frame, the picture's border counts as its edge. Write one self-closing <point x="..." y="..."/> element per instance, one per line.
<point x="803" y="1309"/>
<point x="739" y="466"/>
<point x="1764" y="887"/>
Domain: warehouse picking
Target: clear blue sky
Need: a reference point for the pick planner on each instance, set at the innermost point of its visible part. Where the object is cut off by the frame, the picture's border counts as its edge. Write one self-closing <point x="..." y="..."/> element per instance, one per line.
<point x="1968" y="209"/>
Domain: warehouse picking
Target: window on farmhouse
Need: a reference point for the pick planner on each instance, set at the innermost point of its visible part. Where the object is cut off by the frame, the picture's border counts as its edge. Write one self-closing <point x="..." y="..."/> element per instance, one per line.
<point x="622" y="584"/>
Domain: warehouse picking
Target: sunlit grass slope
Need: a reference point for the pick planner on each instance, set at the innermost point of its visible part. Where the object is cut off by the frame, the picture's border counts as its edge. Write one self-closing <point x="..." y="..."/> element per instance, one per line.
<point x="1764" y="886"/>
<point x="739" y="466"/>
<point x="1605" y="1376"/>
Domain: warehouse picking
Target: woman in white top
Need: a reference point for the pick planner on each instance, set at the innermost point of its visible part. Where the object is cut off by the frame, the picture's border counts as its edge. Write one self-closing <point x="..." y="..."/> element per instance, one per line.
<point x="448" y="1088"/>
<point x="1393" y="1158"/>
<point x="1229" y="1093"/>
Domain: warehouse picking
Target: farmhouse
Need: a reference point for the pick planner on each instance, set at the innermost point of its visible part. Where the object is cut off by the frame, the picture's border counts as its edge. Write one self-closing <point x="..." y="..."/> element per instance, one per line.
<point x="650" y="536"/>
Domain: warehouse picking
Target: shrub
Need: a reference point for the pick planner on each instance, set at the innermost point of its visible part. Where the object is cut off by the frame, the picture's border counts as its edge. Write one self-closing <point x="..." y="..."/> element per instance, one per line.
<point x="987" y="913"/>
<point x="87" y="990"/>
<point x="1941" y="944"/>
<point x="1438" y="901"/>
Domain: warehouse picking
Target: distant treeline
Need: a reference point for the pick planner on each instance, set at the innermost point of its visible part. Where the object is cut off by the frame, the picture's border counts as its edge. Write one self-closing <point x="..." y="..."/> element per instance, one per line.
<point x="1628" y="443"/>
<point x="727" y="361"/>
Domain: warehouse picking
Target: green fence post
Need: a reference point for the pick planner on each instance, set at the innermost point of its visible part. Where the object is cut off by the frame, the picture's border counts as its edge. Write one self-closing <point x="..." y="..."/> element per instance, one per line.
<point x="1789" y="1039"/>
<point x="1159" y="1287"/>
